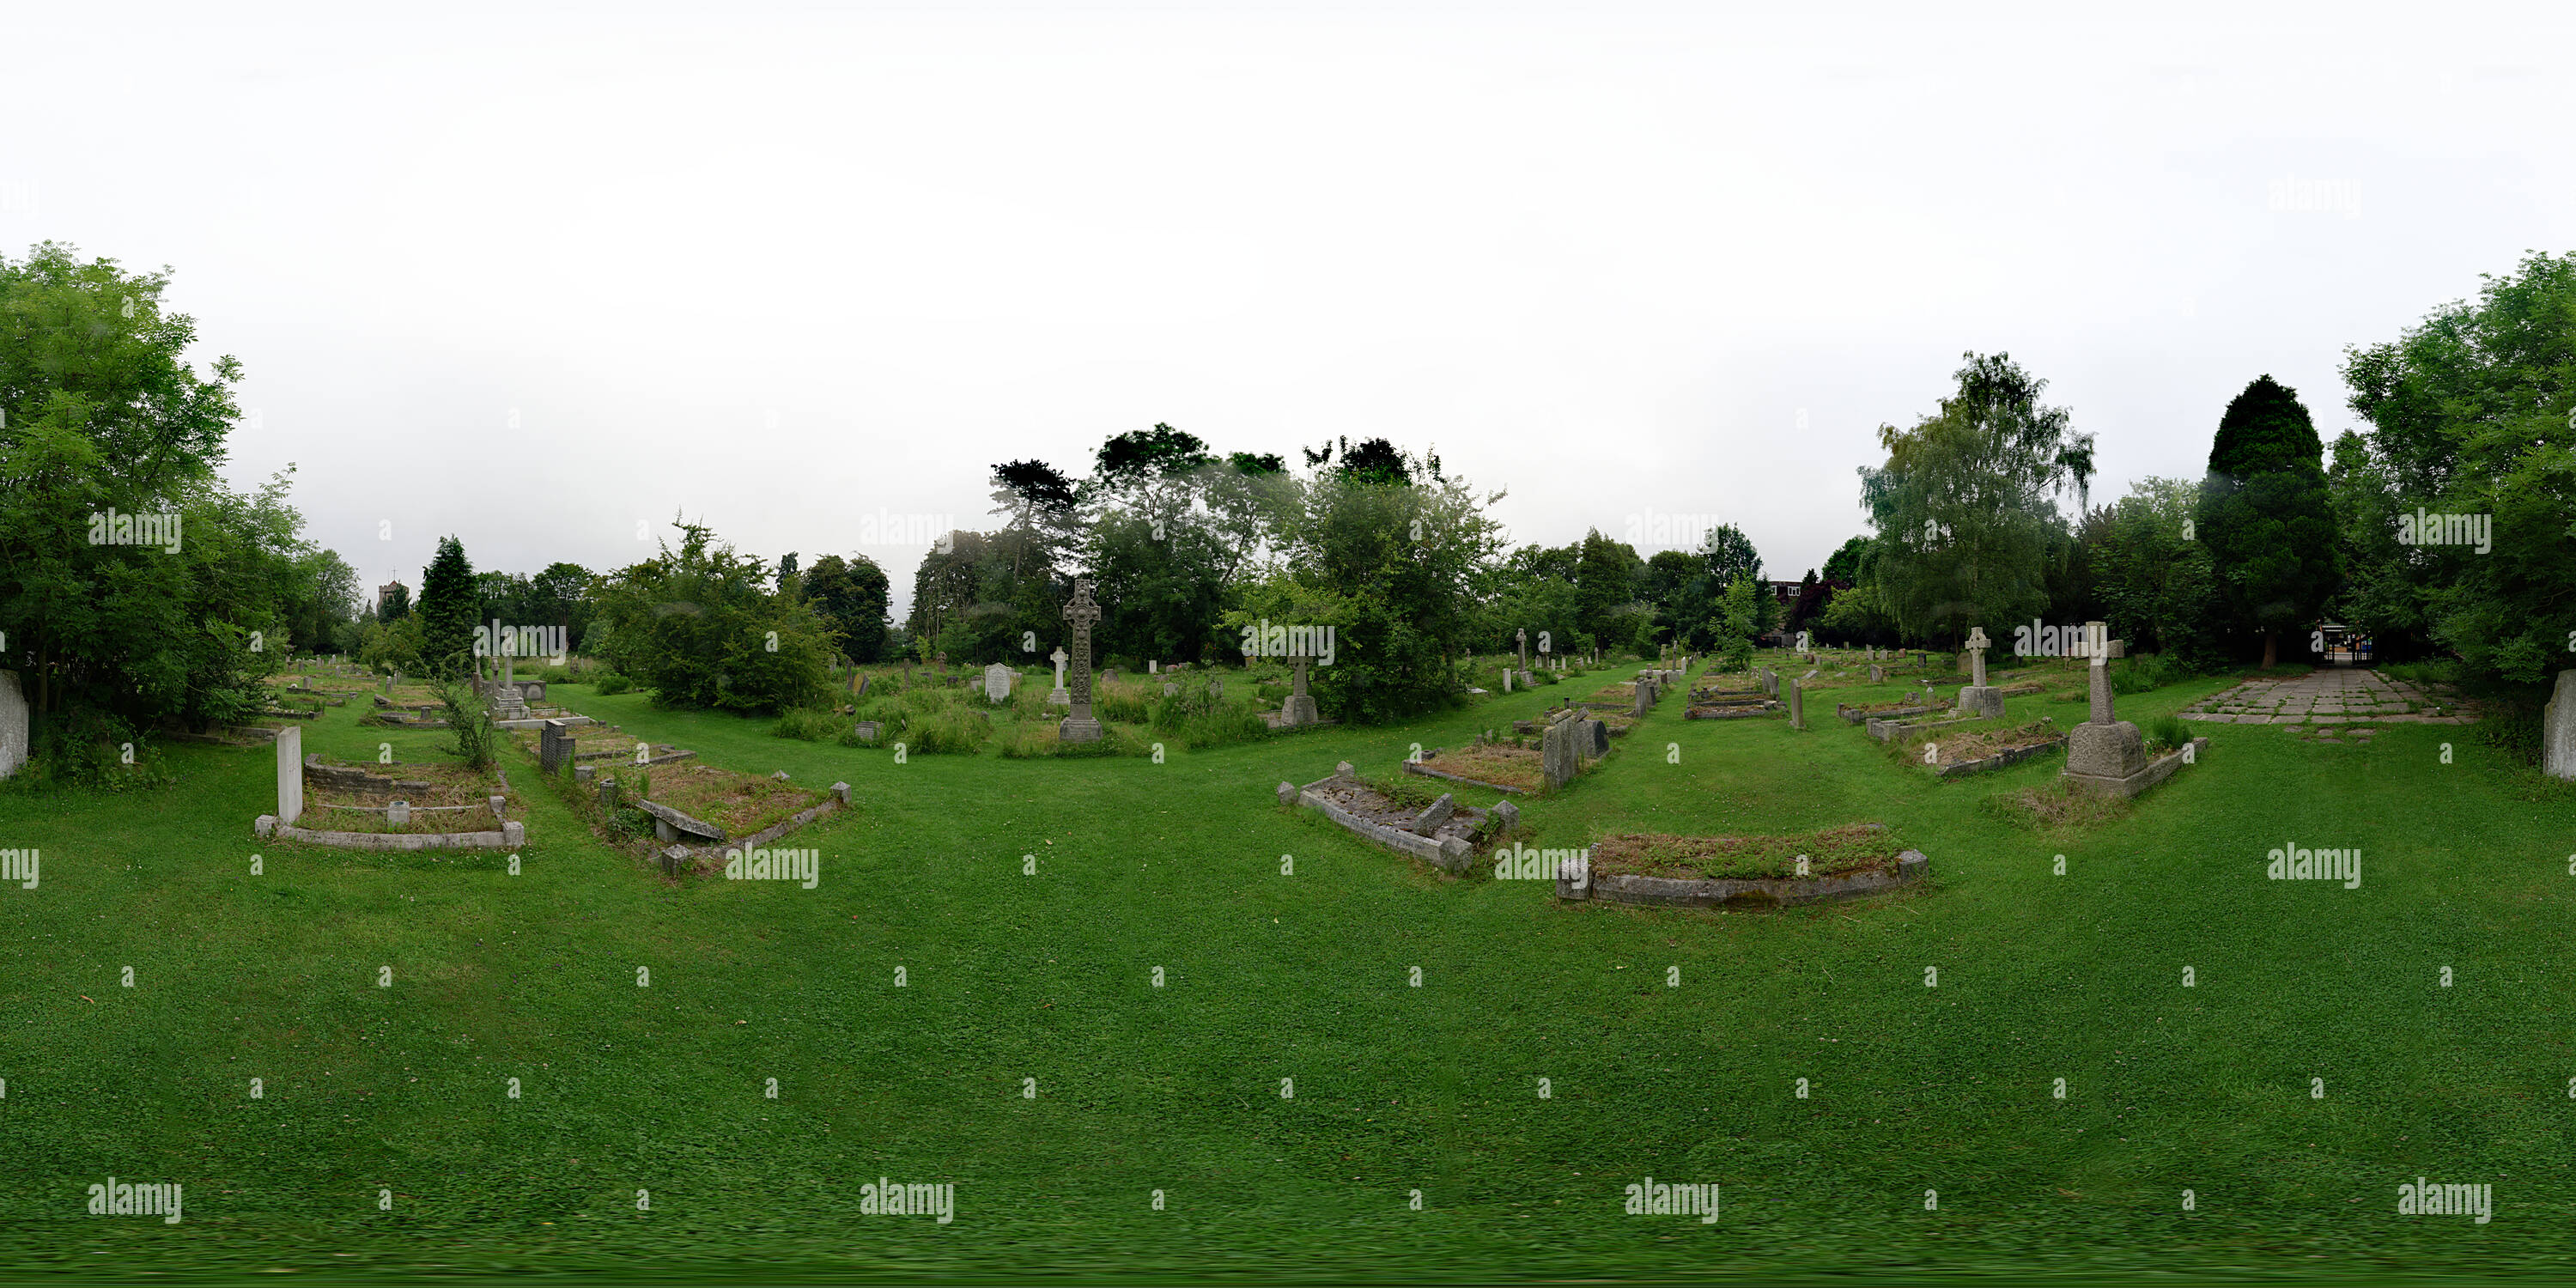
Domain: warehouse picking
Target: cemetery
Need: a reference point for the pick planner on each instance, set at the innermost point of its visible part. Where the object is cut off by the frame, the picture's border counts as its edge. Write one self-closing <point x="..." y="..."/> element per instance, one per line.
<point x="421" y="806"/>
<point x="1439" y="831"/>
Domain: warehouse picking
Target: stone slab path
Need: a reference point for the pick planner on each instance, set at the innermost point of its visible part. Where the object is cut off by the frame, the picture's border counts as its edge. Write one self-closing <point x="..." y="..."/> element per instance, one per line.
<point x="2329" y="696"/>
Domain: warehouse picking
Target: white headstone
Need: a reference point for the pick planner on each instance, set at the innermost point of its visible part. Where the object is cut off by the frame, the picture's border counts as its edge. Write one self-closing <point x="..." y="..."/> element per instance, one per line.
<point x="290" y="775"/>
<point x="13" y="724"/>
<point x="997" y="683"/>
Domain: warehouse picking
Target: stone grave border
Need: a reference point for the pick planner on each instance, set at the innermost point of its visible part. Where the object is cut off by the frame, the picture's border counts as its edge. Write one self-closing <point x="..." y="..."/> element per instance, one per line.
<point x="676" y="858"/>
<point x="1854" y="715"/>
<point x="2135" y="785"/>
<point x="1428" y="772"/>
<point x="1449" y="854"/>
<point x="1903" y="732"/>
<point x="2001" y="759"/>
<point x="1912" y="868"/>
<point x="512" y="833"/>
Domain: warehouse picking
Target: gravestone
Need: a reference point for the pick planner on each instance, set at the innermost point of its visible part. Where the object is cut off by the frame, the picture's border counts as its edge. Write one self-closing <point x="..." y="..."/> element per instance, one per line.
<point x="1556" y="757"/>
<point x="865" y="730"/>
<point x="290" y="776"/>
<point x="1645" y="698"/>
<point x="2104" y="747"/>
<point x="1171" y="690"/>
<point x="2557" y="729"/>
<point x="398" y="813"/>
<point x="864" y="681"/>
<point x="1505" y="815"/>
<point x="1877" y="674"/>
<point x="1507" y="679"/>
<point x="997" y="684"/>
<point x="608" y="794"/>
<point x="13" y="725"/>
<point x="1596" y="737"/>
<point x="554" y="745"/>
<point x="1521" y="638"/>
<point x="1059" y="698"/>
<point x="1299" y="709"/>
<point x="1976" y="697"/>
<point x="1430" y="819"/>
<point x="1797" y="704"/>
<point x="1080" y="614"/>
<point x="1216" y="688"/>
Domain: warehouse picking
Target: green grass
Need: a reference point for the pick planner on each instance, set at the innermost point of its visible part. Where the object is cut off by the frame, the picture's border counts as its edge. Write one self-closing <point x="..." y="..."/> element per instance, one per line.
<point x="1177" y="865"/>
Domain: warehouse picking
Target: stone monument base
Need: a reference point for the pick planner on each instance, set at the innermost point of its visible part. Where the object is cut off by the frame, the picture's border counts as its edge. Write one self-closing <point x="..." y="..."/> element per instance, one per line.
<point x="1981" y="700"/>
<point x="1300" y="709"/>
<point x="2147" y="775"/>
<point x="1059" y="698"/>
<point x="1078" y="729"/>
<point x="2111" y="751"/>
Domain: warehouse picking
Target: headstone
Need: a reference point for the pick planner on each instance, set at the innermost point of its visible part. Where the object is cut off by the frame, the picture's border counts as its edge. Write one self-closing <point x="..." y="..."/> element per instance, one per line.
<point x="864" y="682"/>
<point x="583" y="773"/>
<point x="1171" y="690"/>
<point x="1216" y="688"/>
<point x="608" y="794"/>
<point x="997" y="684"/>
<point x="1299" y="709"/>
<point x="290" y="775"/>
<point x="865" y="730"/>
<point x="2557" y="729"/>
<point x="1877" y="674"/>
<point x="1078" y="726"/>
<point x="1059" y="698"/>
<point x="13" y="725"/>
<point x="1153" y="667"/>
<point x="1505" y="815"/>
<point x="1977" y="698"/>
<point x="1287" y="794"/>
<point x="1521" y="637"/>
<point x="2104" y="747"/>
<point x="1598" y="736"/>
<point x="1645" y="698"/>
<point x="1556" y="754"/>
<point x="1507" y="679"/>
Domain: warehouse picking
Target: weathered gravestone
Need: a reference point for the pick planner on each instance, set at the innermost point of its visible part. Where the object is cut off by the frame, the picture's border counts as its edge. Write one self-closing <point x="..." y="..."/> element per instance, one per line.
<point x="1977" y="698"/>
<point x="1059" y="698"/>
<point x="2557" y="730"/>
<point x="1300" y="708"/>
<point x="1078" y="725"/>
<point x="997" y="684"/>
<point x="1597" y="736"/>
<point x="290" y="776"/>
<point x="1171" y="690"/>
<point x="13" y="724"/>
<point x="2105" y="749"/>
<point x="1556" y="758"/>
<point x="1877" y="674"/>
<point x="1797" y="704"/>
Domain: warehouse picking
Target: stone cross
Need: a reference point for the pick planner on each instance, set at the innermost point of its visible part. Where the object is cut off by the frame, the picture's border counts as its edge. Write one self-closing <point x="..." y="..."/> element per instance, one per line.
<point x="1521" y="637"/>
<point x="2101" y="687"/>
<point x="1080" y="614"/>
<point x="1977" y="646"/>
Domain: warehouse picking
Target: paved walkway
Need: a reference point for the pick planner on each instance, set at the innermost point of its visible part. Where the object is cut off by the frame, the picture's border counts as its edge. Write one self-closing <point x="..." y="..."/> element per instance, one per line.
<point x="2329" y="696"/>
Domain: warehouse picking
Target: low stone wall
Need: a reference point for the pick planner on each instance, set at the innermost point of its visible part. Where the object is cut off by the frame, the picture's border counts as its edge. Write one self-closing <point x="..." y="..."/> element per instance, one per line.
<point x="1912" y="868"/>
<point x="511" y="835"/>
<point x="1449" y="855"/>
<point x="2012" y="757"/>
<point x="1903" y="732"/>
<point x="1855" y="715"/>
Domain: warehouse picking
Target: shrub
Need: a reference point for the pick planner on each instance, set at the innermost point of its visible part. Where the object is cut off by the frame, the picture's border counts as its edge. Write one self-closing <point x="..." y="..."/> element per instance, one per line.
<point x="2164" y="733"/>
<point x="808" y="724"/>
<point x="614" y="682"/>
<point x="473" y="736"/>
<point x="2147" y="672"/>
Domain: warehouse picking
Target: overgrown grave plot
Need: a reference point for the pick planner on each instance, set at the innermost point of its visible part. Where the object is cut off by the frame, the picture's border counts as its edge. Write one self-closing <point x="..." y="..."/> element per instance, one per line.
<point x="1404" y="816"/>
<point x="1512" y="765"/>
<point x="1749" y="872"/>
<point x="1971" y="749"/>
<point x="700" y="817"/>
<point x="1735" y="696"/>
<point x="401" y="806"/>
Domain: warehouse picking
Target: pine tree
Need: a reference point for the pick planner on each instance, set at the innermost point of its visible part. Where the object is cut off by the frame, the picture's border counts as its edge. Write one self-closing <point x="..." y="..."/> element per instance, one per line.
<point x="2266" y="517"/>
<point x="448" y="608"/>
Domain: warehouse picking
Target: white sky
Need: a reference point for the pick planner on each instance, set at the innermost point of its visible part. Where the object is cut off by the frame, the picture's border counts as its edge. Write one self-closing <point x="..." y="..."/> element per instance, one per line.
<point x="785" y="268"/>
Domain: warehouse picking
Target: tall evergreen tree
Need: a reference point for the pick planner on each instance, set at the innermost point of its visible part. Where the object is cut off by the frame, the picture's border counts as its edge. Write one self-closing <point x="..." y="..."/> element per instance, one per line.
<point x="448" y="607"/>
<point x="2266" y="516"/>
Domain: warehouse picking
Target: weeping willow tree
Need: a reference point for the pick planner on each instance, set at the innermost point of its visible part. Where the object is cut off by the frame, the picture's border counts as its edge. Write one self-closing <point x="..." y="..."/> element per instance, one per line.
<point x="1965" y="507"/>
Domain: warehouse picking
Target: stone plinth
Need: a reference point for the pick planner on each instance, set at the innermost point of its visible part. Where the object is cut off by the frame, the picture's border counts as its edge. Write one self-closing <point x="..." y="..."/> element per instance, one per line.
<point x="1981" y="699"/>
<point x="2111" y="751"/>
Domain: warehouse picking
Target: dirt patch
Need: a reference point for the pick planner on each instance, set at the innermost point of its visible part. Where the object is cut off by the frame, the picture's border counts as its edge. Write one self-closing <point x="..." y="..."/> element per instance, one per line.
<point x="1852" y="848"/>
<point x="2057" y="808"/>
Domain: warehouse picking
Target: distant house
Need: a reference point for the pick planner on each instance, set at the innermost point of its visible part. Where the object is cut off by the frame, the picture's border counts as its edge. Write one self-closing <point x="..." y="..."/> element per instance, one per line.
<point x="385" y="593"/>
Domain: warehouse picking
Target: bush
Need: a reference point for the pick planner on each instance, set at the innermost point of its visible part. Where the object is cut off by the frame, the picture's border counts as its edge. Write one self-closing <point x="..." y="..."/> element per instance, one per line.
<point x="85" y="747"/>
<point x="2164" y="733"/>
<point x="2147" y="672"/>
<point x="613" y="682"/>
<point x="810" y="725"/>
<point x="473" y="736"/>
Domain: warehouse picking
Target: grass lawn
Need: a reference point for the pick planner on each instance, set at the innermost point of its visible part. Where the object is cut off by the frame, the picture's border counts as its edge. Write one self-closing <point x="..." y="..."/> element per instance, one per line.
<point x="1008" y="976"/>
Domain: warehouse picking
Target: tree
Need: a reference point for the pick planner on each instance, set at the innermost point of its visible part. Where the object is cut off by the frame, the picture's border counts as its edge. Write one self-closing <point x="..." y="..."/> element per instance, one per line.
<point x="1964" y="505"/>
<point x="2265" y="516"/>
<point x="1607" y="576"/>
<point x="560" y="596"/>
<point x="101" y="415"/>
<point x="851" y="595"/>
<point x="1842" y="567"/>
<point x="2152" y="582"/>
<point x="2473" y="413"/>
<point x="396" y="606"/>
<point x="449" y="607"/>
<point x="1729" y="556"/>
<point x="703" y="627"/>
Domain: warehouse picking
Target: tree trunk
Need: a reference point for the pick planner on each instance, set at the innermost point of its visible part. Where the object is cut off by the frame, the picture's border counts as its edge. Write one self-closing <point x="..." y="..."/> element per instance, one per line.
<point x="2271" y="649"/>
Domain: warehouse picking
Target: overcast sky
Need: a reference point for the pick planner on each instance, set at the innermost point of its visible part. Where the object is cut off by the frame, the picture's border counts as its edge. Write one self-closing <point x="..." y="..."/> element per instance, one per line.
<point x="540" y="276"/>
